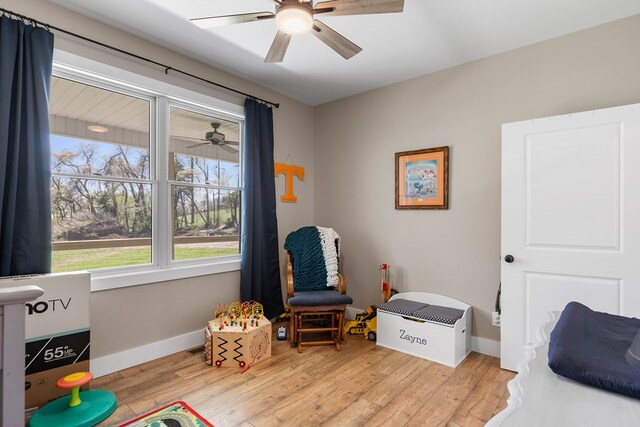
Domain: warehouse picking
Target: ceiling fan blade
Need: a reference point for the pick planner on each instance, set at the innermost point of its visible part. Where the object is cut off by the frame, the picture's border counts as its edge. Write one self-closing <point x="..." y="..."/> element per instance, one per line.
<point x="231" y="142"/>
<point x="358" y="7"/>
<point x="197" y="145"/>
<point x="229" y="149"/>
<point x="219" y="21"/>
<point x="278" y="47"/>
<point x="187" y="137"/>
<point x="345" y="47"/>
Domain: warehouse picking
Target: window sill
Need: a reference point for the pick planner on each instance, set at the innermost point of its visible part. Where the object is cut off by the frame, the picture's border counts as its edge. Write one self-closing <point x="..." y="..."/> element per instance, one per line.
<point x="112" y="280"/>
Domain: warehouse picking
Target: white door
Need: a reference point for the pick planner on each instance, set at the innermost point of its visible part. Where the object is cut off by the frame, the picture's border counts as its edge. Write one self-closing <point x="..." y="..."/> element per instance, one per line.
<point x="570" y="219"/>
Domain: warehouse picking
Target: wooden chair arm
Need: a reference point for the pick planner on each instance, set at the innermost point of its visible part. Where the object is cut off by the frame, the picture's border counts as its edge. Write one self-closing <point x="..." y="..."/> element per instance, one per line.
<point x="342" y="283"/>
<point x="289" y="276"/>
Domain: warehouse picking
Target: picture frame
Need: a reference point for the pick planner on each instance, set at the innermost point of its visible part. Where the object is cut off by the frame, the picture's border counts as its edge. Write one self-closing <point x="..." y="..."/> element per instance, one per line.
<point x="422" y="179"/>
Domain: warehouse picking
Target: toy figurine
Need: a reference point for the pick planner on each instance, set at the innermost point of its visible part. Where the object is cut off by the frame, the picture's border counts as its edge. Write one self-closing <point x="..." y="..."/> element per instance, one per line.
<point x="282" y="333"/>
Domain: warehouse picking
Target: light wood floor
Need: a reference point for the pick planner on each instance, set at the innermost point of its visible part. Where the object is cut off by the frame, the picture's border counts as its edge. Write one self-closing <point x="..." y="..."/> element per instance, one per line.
<point x="360" y="384"/>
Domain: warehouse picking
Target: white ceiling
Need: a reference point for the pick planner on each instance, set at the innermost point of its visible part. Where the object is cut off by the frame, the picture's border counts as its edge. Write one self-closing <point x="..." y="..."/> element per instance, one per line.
<point x="430" y="35"/>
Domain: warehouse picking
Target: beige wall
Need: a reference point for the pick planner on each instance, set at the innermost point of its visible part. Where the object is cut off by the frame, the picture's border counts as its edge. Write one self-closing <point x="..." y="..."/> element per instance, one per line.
<point x="129" y="317"/>
<point x="454" y="252"/>
<point x="349" y="182"/>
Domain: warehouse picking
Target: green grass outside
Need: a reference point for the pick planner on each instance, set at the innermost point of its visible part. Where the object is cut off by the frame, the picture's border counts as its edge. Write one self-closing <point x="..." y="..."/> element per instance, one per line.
<point x="199" y="223"/>
<point x="191" y="253"/>
<point x="91" y="259"/>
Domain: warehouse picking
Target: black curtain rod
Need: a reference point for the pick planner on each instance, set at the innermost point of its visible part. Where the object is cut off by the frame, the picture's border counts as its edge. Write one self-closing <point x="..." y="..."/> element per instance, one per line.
<point x="167" y="68"/>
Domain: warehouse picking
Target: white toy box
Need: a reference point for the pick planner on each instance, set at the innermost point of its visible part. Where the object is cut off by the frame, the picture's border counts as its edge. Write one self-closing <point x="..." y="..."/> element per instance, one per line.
<point x="426" y="325"/>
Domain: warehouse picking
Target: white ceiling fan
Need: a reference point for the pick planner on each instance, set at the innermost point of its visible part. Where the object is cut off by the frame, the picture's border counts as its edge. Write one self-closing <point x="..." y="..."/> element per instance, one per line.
<point x="213" y="138"/>
<point x="298" y="17"/>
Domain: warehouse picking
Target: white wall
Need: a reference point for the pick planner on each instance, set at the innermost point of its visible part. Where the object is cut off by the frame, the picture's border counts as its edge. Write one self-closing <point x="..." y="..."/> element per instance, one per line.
<point x="125" y="318"/>
<point x="454" y="252"/>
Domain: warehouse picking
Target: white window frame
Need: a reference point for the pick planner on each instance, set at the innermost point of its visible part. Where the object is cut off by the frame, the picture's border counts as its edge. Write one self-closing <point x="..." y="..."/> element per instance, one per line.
<point x="167" y="192"/>
<point x="163" y="95"/>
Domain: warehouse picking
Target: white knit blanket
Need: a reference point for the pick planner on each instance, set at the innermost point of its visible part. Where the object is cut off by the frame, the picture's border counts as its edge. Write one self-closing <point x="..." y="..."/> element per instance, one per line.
<point x="328" y="237"/>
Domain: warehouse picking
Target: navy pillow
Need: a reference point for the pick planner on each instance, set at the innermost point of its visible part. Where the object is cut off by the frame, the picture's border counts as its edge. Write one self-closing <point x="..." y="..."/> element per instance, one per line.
<point x="590" y="347"/>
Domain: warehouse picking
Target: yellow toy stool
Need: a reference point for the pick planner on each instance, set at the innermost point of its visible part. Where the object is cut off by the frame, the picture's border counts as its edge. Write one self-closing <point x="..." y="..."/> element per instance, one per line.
<point x="79" y="409"/>
<point x="74" y="382"/>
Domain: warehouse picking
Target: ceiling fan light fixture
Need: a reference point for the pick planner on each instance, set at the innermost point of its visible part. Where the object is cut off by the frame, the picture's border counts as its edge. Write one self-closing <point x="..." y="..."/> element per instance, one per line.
<point x="294" y="18"/>
<point x="98" y="129"/>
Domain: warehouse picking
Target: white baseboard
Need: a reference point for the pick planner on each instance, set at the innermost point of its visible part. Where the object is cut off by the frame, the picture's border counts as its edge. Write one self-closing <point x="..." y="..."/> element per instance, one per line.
<point x="485" y="346"/>
<point x="478" y="344"/>
<point x="125" y="359"/>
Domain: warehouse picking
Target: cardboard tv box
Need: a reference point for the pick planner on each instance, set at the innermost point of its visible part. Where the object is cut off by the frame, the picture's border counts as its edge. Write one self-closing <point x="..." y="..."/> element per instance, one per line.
<point x="57" y="334"/>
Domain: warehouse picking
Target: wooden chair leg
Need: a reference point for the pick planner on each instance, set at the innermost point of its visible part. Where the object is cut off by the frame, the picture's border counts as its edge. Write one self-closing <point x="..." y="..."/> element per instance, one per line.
<point x="299" y="334"/>
<point x="335" y="323"/>
<point x="292" y="327"/>
<point x="341" y="325"/>
<point x="332" y="322"/>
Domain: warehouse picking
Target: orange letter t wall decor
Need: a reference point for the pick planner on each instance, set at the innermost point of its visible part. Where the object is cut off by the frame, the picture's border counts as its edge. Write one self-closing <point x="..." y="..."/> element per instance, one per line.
<point x="289" y="171"/>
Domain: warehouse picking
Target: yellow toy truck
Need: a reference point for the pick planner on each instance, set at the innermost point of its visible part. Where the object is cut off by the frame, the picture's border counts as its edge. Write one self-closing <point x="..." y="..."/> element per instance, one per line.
<point x="364" y="323"/>
<point x="371" y="329"/>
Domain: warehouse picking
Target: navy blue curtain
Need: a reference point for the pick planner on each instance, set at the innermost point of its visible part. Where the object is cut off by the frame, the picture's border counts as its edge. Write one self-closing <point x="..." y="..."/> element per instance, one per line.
<point x="260" y="275"/>
<point x="26" y="55"/>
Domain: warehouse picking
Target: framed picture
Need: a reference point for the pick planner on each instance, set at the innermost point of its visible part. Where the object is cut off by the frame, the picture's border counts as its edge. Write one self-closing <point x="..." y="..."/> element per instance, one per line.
<point x="422" y="179"/>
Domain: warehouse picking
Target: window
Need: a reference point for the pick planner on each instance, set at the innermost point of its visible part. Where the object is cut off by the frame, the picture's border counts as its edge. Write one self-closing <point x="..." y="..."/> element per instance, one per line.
<point x="141" y="180"/>
<point x="204" y="175"/>
<point x="101" y="189"/>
